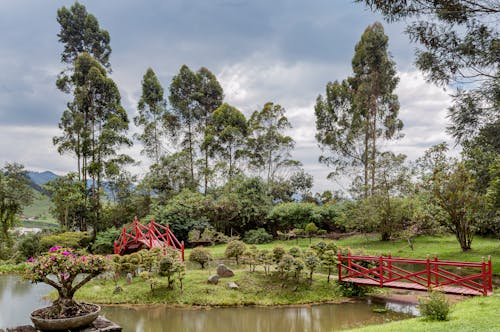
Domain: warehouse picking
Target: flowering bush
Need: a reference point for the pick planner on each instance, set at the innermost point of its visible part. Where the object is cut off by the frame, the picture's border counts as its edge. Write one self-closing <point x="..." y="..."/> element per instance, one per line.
<point x="59" y="268"/>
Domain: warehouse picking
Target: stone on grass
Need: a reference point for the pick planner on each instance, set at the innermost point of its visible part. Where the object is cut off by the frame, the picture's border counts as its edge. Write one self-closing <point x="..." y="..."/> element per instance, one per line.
<point x="117" y="290"/>
<point x="224" y="272"/>
<point x="129" y="278"/>
<point x="213" y="279"/>
<point x="232" y="285"/>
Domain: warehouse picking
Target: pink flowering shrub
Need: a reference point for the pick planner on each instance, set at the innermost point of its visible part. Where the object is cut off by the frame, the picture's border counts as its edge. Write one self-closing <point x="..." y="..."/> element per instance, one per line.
<point x="59" y="269"/>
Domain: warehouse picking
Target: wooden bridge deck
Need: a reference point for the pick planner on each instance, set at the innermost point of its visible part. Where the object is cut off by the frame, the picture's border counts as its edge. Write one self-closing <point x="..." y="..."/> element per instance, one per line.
<point x="414" y="286"/>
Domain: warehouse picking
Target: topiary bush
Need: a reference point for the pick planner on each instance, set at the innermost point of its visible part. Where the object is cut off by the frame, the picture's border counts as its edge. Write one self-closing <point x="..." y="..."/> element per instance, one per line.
<point x="200" y="255"/>
<point x="235" y="249"/>
<point x="348" y="289"/>
<point x="434" y="306"/>
<point x="257" y="236"/>
<point x="73" y="240"/>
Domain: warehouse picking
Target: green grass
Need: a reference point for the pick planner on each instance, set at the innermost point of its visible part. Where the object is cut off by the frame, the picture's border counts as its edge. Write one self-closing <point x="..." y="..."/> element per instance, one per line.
<point x="476" y="314"/>
<point x="256" y="288"/>
<point x="445" y="247"/>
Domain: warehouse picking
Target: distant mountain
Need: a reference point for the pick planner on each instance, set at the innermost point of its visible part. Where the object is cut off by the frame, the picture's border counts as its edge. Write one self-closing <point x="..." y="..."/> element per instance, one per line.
<point x="41" y="178"/>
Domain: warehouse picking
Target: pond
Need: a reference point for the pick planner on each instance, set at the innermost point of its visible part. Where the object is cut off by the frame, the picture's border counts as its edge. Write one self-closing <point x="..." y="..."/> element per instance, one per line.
<point x="18" y="298"/>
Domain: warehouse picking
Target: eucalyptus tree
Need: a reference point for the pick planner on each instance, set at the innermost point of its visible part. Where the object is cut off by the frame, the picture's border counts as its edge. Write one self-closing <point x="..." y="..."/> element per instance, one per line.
<point x="209" y="97"/>
<point x="268" y="148"/>
<point x="360" y="110"/>
<point x="183" y="99"/>
<point x="460" y="41"/>
<point x="80" y="33"/>
<point x="225" y="138"/>
<point x="15" y="193"/>
<point x="152" y="114"/>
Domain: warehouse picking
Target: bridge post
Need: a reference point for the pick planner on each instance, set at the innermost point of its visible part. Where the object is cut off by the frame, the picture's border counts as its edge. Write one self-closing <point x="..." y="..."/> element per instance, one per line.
<point x="485" y="282"/>
<point x="349" y="264"/>
<point x="389" y="263"/>
<point x="435" y="269"/>
<point x="490" y="273"/>
<point x="381" y="270"/>
<point x="339" y="264"/>
<point x="428" y="272"/>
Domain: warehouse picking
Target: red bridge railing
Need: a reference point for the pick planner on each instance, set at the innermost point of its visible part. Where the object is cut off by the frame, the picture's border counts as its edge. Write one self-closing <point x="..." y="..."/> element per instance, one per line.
<point x="466" y="278"/>
<point x="136" y="236"/>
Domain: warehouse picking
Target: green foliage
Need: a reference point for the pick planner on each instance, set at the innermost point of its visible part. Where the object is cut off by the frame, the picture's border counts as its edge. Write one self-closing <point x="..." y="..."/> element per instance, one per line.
<point x="295" y="252"/>
<point x="269" y="149"/>
<point x="311" y="262"/>
<point x="14" y="195"/>
<point x="29" y="246"/>
<point x="172" y="267"/>
<point x="104" y="241"/>
<point x="360" y="110"/>
<point x="460" y="46"/>
<point x="293" y="215"/>
<point x="349" y="289"/>
<point x="184" y="212"/>
<point x="257" y="236"/>
<point x="311" y="229"/>
<point x="234" y="250"/>
<point x="434" y="306"/>
<point x="200" y="255"/>
<point x="74" y="240"/>
<point x="277" y="253"/>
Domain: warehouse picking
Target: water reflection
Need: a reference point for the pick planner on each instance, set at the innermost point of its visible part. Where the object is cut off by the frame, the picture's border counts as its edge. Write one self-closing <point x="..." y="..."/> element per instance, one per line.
<point x="326" y="317"/>
<point x="18" y="298"/>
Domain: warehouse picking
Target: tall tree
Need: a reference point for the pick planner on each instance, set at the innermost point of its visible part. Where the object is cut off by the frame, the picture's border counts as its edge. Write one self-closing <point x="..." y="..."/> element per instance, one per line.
<point x="362" y="108"/>
<point x="152" y="114"/>
<point x="14" y="195"/>
<point x="183" y="98"/>
<point x="81" y="33"/>
<point x="209" y="96"/>
<point x="103" y="126"/>
<point x="269" y="149"/>
<point x="460" y="41"/>
<point x="226" y="137"/>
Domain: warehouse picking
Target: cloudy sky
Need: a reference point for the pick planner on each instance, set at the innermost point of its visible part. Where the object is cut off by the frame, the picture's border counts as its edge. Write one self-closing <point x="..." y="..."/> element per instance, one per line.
<point x="284" y="51"/>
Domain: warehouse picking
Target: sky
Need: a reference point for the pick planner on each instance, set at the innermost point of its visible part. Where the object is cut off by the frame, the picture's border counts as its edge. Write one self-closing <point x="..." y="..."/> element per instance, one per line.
<point x="283" y="51"/>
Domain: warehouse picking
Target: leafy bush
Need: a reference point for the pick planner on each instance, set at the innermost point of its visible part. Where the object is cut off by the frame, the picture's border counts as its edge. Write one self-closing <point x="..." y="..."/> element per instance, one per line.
<point x="73" y="240"/>
<point x="257" y="236"/>
<point x="171" y="267"/>
<point x="278" y="253"/>
<point x="235" y="249"/>
<point x="434" y="306"/>
<point x="200" y="255"/>
<point x="103" y="243"/>
<point x="29" y="246"/>
<point x="348" y="289"/>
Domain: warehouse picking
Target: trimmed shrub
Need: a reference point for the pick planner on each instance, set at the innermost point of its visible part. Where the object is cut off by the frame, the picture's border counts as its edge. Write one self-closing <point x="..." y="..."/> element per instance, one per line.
<point x="257" y="236"/>
<point x="73" y="240"/>
<point x="235" y="249"/>
<point x="348" y="289"/>
<point x="200" y="255"/>
<point x="434" y="306"/>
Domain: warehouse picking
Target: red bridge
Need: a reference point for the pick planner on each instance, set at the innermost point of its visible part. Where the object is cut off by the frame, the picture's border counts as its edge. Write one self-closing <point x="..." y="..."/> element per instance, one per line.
<point x="464" y="278"/>
<point x="137" y="236"/>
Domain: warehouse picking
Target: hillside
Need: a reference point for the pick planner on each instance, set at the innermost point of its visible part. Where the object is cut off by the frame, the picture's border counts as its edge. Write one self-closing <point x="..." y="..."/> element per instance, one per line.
<point x="38" y="213"/>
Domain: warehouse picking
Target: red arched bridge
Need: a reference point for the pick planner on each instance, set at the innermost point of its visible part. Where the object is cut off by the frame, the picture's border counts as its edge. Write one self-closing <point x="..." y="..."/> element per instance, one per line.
<point x="453" y="277"/>
<point x="137" y="236"/>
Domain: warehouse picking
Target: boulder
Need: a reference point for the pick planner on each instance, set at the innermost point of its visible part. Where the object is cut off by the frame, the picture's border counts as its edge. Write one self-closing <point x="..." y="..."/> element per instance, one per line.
<point x="224" y="272"/>
<point x="213" y="279"/>
<point x="117" y="290"/>
<point x="128" y="279"/>
<point x="232" y="285"/>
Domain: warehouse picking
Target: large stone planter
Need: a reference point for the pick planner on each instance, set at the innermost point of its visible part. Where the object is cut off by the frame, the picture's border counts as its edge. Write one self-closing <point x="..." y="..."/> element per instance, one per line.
<point x="64" y="323"/>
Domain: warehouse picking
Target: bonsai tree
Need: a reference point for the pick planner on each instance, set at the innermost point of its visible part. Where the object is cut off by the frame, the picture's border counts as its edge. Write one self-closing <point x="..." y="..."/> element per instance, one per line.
<point x="200" y="255"/>
<point x="59" y="268"/>
<point x="235" y="249"/>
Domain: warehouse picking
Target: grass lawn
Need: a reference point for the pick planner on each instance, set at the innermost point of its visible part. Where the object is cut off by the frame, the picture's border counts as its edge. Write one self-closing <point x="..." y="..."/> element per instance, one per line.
<point x="445" y="247"/>
<point x="476" y="314"/>
<point x="256" y="288"/>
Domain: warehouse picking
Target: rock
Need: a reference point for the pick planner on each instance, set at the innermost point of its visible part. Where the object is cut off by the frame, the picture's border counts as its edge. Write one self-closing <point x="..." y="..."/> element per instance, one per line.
<point x="224" y="272"/>
<point x="213" y="279"/>
<point x="129" y="278"/>
<point x="232" y="285"/>
<point x="117" y="290"/>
